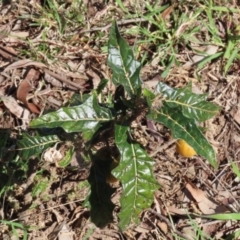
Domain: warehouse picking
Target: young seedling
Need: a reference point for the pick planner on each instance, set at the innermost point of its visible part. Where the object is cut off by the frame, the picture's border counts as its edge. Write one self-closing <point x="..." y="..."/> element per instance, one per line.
<point x="178" y="109"/>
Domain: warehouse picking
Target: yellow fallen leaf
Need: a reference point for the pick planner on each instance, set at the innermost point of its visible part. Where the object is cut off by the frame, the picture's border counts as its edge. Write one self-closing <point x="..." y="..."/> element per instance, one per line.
<point x="184" y="149"/>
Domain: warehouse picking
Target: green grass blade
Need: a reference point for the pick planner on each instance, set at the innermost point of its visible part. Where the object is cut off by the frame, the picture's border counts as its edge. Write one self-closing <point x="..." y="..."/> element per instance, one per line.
<point x="230" y="60"/>
<point x="224" y="216"/>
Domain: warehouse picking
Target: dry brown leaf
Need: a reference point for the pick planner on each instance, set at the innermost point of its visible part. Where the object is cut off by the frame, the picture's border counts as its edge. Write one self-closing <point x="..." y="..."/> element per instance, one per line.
<point x="52" y="154"/>
<point x="24" y="63"/>
<point x="211" y="228"/>
<point x="16" y="37"/>
<point x="13" y="106"/>
<point x="163" y="226"/>
<point x="152" y="83"/>
<point x="48" y="78"/>
<point x="189" y="232"/>
<point x="208" y="51"/>
<point x="52" y="100"/>
<point x="206" y="205"/>
<point x="236" y="116"/>
<point x="25" y="87"/>
<point x="5" y="8"/>
<point x="77" y="75"/>
<point x="175" y="211"/>
<point x="4" y="31"/>
<point x="63" y="78"/>
<point x="65" y="233"/>
<point x="7" y="52"/>
<point x="25" y="118"/>
<point x="19" y="34"/>
<point x="143" y="228"/>
<point x="196" y="89"/>
<point x="61" y="232"/>
<point x="95" y="78"/>
<point x="166" y="13"/>
<point x="57" y="215"/>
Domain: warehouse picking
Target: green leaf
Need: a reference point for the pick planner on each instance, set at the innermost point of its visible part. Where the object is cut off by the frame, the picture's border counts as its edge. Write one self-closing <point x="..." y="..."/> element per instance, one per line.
<point x="136" y="175"/>
<point x="167" y="91"/>
<point x="230" y="59"/>
<point x="185" y="129"/>
<point x="40" y="187"/>
<point x="194" y="106"/>
<point x="208" y="59"/>
<point x="166" y="71"/>
<point x="149" y="96"/>
<point x="77" y="99"/>
<point x="101" y="86"/>
<point x="125" y="69"/>
<point x="67" y="158"/>
<point x="30" y="146"/>
<point x="14" y="225"/>
<point x="86" y="118"/>
<point x="14" y="232"/>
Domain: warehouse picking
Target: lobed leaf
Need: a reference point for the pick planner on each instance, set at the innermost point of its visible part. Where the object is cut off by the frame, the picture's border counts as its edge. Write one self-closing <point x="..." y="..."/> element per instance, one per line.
<point x="186" y="129"/>
<point x="30" y="146"/>
<point x="194" y="106"/>
<point x="86" y="118"/>
<point x="125" y="69"/>
<point x="135" y="171"/>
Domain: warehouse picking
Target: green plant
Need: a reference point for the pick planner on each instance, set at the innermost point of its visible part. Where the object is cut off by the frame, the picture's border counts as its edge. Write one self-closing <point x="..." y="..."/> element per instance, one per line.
<point x="108" y="124"/>
<point x="14" y="226"/>
<point x="173" y="27"/>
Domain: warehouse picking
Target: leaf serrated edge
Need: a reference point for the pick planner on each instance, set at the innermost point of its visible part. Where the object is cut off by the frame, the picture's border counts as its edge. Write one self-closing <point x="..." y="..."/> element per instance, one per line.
<point x="36" y="145"/>
<point x="132" y="217"/>
<point x="118" y="36"/>
<point x="193" y="107"/>
<point x="214" y="164"/>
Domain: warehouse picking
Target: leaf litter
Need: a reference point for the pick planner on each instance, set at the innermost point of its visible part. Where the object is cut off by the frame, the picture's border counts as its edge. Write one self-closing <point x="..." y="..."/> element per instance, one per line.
<point x="67" y="65"/>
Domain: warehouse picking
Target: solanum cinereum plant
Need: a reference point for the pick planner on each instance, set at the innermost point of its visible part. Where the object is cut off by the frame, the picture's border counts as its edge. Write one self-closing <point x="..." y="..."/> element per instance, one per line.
<point x="109" y="123"/>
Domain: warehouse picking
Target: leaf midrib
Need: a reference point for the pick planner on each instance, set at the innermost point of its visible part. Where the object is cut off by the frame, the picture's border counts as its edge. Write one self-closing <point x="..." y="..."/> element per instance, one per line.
<point x="191" y="106"/>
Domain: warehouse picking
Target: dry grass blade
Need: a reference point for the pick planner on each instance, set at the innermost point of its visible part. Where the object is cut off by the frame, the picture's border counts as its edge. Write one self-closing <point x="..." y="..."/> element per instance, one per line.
<point x="24" y="63"/>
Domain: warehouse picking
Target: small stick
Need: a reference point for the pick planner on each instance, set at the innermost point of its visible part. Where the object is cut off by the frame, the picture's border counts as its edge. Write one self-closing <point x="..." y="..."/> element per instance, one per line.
<point x="55" y="75"/>
<point x="62" y="79"/>
<point x="162" y="147"/>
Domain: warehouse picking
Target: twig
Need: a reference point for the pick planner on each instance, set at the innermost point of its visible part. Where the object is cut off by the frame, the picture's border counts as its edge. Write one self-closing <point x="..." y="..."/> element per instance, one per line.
<point x="55" y="75"/>
<point x="62" y="79"/>
<point x="162" y="218"/>
<point x="162" y="147"/>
